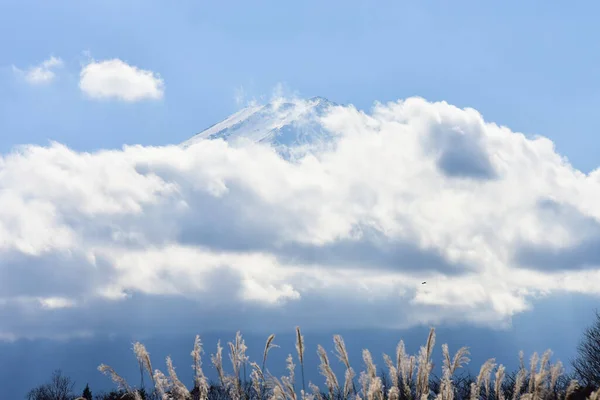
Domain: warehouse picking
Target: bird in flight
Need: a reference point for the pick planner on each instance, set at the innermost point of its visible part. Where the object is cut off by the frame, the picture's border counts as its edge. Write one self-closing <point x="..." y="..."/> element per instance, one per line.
<point x="423" y="283"/>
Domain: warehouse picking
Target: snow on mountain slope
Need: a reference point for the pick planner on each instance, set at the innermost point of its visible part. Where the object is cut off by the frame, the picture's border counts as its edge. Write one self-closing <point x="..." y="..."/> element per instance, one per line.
<point x="292" y="127"/>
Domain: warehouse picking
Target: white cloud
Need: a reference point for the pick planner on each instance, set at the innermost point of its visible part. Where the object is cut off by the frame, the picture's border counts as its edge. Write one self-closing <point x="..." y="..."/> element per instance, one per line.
<point x="413" y="192"/>
<point x="115" y="79"/>
<point x="56" y="302"/>
<point x="43" y="73"/>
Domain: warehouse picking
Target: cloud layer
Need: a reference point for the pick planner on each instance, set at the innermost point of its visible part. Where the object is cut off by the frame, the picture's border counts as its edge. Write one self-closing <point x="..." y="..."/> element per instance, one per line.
<point x="413" y="191"/>
<point x="115" y="79"/>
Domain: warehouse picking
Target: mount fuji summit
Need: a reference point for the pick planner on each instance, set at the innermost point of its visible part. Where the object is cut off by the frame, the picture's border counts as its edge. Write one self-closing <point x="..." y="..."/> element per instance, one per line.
<point x="292" y="127"/>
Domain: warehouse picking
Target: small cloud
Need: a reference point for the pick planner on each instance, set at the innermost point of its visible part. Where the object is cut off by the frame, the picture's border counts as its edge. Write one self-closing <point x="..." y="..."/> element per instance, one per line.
<point x="56" y="302"/>
<point x="42" y="73"/>
<point x="115" y="79"/>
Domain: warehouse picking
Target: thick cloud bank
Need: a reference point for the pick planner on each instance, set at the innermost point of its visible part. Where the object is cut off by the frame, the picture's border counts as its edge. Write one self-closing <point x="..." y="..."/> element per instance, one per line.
<point x="234" y="236"/>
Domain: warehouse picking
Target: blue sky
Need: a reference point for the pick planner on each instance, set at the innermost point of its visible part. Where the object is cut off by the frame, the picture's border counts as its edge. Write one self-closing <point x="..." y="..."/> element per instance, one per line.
<point x="530" y="66"/>
<point x="99" y="241"/>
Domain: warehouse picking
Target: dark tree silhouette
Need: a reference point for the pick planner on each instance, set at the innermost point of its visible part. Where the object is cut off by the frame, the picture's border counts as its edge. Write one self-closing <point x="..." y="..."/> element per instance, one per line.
<point x="587" y="363"/>
<point x="59" y="388"/>
<point x="123" y="395"/>
<point x="87" y="393"/>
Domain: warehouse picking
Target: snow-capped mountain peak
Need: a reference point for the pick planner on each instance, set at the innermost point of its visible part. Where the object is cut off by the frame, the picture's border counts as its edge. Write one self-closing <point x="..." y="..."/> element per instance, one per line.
<point x="291" y="126"/>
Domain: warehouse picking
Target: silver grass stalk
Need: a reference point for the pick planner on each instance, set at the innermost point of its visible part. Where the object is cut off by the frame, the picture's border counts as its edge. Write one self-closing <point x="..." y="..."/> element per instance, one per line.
<point x="316" y="391"/>
<point x="540" y="377"/>
<point x="533" y="365"/>
<point x="375" y="391"/>
<point x="161" y="383"/>
<point x="240" y="346"/>
<point x="482" y="379"/>
<point x="200" y="380"/>
<point x="368" y="359"/>
<point x="277" y="391"/>
<point x="180" y="392"/>
<point x="217" y="361"/>
<point x="288" y="382"/>
<point x="268" y="346"/>
<point x="393" y="393"/>
<point x="460" y="358"/>
<point x="447" y="362"/>
<point x="498" y="379"/>
<point x="412" y="365"/>
<point x="243" y="357"/>
<point x="445" y="393"/>
<point x="340" y="350"/>
<point x="116" y="378"/>
<point x="555" y="372"/>
<point x="545" y="360"/>
<point x="235" y="362"/>
<point x="401" y="361"/>
<point x="449" y="366"/>
<point x="257" y="378"/>
<point x="393" y="372"/>
<point x="143" y="358"/>
<point x="573" y="385"/>
<point x="521" y="359"/>
<point x="288" y="385"/>
<point x="364" y="382"/>
<point x="405" y="365"/>
<point x="325" y="369"/>
<point x="349" y="382"/>
<point x="519" y="381"/>
<point x="300" y="350"/>
<point x="487" y="377"/>
<point x="291" y="367"/>
<point x="342" y="355"/>
<point x="237" y="355"/>
<point x="425" y="366"/>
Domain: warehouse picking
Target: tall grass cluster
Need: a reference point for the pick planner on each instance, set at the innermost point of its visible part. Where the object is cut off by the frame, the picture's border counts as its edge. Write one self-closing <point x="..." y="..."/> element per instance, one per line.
<point x="405" y="376"/>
